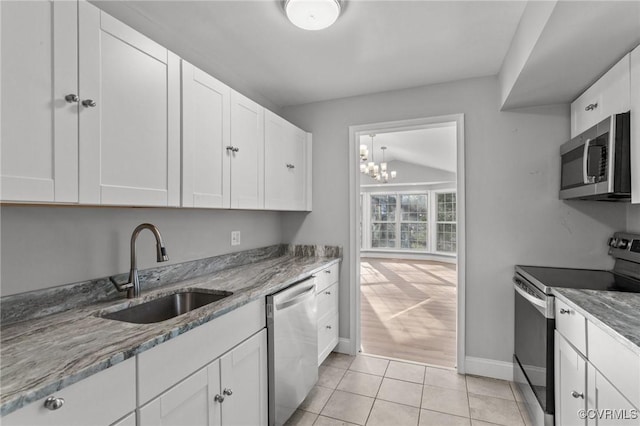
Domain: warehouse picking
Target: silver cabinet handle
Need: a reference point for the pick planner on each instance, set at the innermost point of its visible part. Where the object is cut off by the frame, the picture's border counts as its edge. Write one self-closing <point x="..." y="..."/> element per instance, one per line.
<point x="218" y="398"/>
<point x="235" y="149"/>
<point x="232" y="148"/>
<point x="327" y="271"/>
<point x="565" y="311"/>
<point x="327" y="292"/>
<point x="227" y="392"/>
<point x="591" y="107"/>
<point x="52" y="403"/>
<point x="290" y="166"/>
<point x="71" y="98"/>
<point x="229" y="148"/>
<point x="89" y="103"/>
<point x="577" y="395"/>
<point x="329" y="327"/>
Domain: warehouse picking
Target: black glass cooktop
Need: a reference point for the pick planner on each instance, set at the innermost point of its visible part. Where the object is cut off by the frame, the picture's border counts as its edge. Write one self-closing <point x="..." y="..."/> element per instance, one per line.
<point x="544" y="278"/>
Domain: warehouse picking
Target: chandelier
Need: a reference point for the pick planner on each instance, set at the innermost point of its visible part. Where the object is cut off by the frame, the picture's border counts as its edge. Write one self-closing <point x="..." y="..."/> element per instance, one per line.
<point x="376" y="171"/>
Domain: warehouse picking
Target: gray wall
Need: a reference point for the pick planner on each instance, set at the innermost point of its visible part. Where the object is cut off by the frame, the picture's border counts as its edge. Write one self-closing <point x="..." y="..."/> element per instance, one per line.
<point x="48" y="246"/>
<point x="411" y="173"/>
<point x="513" y="212"/>
<point x="633" y="218"/>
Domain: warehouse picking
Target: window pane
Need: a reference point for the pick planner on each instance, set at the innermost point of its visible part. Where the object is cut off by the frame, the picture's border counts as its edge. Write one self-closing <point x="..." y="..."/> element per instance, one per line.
<point x="446" y="237"/>
<point x="413" y="236"/>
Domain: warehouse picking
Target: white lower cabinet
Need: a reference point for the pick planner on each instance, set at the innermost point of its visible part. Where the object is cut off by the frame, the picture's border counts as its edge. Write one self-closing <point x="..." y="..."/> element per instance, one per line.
<point x="597" y="384"/>
<point x="570" y="383"/>
<point x="101" y="399"/>
<point x="231" y="390"/>
<point x="328" y="285"/>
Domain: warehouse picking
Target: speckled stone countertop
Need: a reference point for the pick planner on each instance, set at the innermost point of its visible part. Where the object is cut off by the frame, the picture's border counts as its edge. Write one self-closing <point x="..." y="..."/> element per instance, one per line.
<point x="43" y="355"/>
<point x="615" y="312"/>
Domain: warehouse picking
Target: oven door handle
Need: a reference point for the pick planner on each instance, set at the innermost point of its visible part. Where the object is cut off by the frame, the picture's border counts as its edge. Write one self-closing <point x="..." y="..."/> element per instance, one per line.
<point x="539" y="304"/>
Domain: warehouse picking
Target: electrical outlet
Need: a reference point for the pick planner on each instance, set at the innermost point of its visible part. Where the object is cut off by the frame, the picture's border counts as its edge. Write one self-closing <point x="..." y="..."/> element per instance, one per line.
<point x="235" y="238"/>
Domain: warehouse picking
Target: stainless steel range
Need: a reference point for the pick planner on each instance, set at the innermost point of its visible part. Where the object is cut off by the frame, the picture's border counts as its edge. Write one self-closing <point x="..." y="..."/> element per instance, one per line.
<point x="535" y="322"/>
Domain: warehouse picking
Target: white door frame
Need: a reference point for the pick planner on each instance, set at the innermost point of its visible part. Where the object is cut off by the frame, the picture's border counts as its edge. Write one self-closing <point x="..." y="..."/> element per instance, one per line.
<point x="354" y="230"/>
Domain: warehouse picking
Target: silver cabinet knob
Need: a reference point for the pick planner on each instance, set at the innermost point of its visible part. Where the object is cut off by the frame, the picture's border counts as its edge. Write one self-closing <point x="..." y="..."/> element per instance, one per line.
<point x="327" y="292"/>
<point x="229" y="148"/>
<point x="227" y="392"/>
<point x="89" y="103"/>
<point x="218" y="398"/>
<point x="232" y="148"/>
<point x="577" y="395"/>
<point x="290" y="166"/>
<point x="53" y="403"/>
<point x="235" y="149"/>
<point x="327" y="271"/>
<point x="564" y="311"/>
<point x="328" y="327"/>
<point x="71" y="98"/>
<point x="591" y="107"/>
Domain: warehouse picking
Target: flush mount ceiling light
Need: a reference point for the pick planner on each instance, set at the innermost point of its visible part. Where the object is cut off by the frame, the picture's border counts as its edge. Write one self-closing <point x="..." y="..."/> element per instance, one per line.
<point x="312" y="14"/>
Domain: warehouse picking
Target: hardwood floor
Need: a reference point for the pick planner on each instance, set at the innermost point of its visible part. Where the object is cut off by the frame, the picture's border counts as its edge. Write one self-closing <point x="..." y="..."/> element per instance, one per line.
<point x="408" y="310"/>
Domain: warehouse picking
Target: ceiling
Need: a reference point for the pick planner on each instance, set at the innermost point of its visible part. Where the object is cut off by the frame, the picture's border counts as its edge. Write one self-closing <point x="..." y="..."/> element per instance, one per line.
<point x="374" y="46"/>
<point x="430" y="147"/>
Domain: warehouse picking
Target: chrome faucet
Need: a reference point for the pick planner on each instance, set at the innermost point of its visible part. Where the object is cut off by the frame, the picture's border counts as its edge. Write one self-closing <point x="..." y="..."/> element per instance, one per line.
<point x="133" y="286"/>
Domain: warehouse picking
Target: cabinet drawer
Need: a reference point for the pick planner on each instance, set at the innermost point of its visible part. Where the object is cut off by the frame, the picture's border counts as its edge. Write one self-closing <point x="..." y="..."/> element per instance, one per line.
<point x="100" y="399"/>
<point x="328" y="300"/>
<point x="328" y="276"/>
<point x="196" y="348"/>
<point x="572" y="326"/>
<point x="327" y="335"/>
<point x="616" y="362"/>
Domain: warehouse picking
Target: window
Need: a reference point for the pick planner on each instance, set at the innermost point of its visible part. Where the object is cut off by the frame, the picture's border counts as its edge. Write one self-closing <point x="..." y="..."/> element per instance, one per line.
<point x="423" y="221"/>
<point x="413" y="222"/>
<point x="446" y="222"/>
<point x="383" y="221"/>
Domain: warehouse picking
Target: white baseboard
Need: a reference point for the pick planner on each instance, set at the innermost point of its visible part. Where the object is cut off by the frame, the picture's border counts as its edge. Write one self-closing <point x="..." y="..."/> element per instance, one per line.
<point x="489" y="368"/>
<point x="344" y="346"/>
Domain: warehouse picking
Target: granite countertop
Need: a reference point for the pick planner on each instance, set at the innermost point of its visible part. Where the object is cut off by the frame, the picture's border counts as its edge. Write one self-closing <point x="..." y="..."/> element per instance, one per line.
<point x="43" y="355"/>
<point x="615" y="312"/>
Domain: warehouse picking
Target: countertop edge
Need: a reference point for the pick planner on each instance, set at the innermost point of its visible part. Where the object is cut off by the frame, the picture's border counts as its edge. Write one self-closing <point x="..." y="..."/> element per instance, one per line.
<point x="34" y="394"/>
<point x="597" y="321"/>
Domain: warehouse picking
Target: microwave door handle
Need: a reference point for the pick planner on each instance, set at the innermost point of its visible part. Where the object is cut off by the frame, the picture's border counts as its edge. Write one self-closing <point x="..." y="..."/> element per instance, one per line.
<point x="585" y="162"/>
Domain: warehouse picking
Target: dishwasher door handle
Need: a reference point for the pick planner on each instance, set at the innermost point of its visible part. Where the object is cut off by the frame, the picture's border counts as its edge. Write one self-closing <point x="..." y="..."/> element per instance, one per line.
<point x="299" y="298"/>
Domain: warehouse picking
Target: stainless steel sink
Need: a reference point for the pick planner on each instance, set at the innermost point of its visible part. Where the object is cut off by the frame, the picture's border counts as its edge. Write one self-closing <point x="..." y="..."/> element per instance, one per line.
<point x="166" y="307"/>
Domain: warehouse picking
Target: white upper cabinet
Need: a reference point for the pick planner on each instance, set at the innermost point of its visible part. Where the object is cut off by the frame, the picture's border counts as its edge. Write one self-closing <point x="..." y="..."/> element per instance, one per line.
<point x="609" y="95"/>
<point x="635" y="124"/>
<point x="285" y="174"/>
<point x="247" y="153"/>
<point x="39" y="128"/>
<point x="206" y="133"/>
<point x="129" y="115"/>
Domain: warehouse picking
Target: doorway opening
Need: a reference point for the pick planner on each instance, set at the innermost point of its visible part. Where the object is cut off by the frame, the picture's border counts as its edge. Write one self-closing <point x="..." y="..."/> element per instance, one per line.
<point x="408" y="228"/>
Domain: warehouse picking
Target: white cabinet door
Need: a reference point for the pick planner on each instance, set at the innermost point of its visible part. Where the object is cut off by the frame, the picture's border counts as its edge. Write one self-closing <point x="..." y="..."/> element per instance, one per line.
<point x="39" y="130"/>
<point x="244" y="377"/>
<point x="635" y="125"/>
<point x="609" y="95"/>
<point x="610" y="407"/>
<point x="285" y="164"/>
<point x="247" y="156"/>
<point x="189" y="403"/>
<point x="570" y="383"/>
<point x="130" y="139"/>
<point x="206" y="126"/>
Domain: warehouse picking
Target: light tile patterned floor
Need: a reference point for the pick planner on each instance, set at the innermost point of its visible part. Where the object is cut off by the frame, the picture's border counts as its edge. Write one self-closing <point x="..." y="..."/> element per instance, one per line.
<point x="374" y="391"/>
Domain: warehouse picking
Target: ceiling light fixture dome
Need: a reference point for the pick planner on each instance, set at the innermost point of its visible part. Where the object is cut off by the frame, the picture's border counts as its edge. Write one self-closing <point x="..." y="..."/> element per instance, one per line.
<point x="312" y="14"/>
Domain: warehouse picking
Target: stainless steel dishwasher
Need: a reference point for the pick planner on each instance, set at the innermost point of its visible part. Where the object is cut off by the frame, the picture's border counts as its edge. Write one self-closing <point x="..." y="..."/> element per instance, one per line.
<point x="292" y="336"/>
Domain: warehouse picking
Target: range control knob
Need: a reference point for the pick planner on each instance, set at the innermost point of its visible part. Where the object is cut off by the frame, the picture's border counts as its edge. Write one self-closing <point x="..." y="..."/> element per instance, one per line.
<point x="623" y="244"/>
<point x="613" y="242"/>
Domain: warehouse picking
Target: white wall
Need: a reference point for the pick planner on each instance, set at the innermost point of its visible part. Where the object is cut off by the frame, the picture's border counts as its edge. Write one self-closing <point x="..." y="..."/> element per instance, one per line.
<point x="48" y="246"/>
<point x="512" y="177"/>
<point x="413" y="173"/>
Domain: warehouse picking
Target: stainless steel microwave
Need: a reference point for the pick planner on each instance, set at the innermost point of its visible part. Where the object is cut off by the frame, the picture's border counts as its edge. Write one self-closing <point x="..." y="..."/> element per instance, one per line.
<point x="596" y="164"/>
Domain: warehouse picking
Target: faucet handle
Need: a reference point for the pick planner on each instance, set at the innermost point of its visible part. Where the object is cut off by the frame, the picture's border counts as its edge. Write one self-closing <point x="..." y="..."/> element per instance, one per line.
<point x="121" y="287"/>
